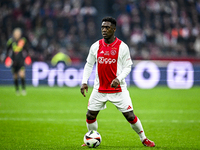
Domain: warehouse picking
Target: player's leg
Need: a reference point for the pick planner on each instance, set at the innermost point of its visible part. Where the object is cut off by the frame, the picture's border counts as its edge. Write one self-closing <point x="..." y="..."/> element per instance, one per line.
<point x="22" y="77"/>
<point x="96" y="103"/>
<point x="135" y="124"/>
<point x="137" y="127"/>
<point x="123" y="102"/>
<point x="15" y="78"/>
<point x="91" y="120"/>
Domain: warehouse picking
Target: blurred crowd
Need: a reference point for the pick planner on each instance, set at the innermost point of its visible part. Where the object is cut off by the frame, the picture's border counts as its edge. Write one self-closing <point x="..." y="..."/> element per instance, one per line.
<point x="50" y="26"/>
<point x="153" y="29"/>
<point x="160" y="28"/>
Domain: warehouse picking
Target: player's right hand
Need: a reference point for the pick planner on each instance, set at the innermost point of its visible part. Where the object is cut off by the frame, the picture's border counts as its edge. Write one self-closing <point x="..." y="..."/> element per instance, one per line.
<point x="83" y="88"/>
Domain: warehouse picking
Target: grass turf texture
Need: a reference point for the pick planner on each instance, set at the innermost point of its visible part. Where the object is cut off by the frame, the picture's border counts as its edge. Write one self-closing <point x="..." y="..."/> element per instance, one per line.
<point x="54" y="118"/>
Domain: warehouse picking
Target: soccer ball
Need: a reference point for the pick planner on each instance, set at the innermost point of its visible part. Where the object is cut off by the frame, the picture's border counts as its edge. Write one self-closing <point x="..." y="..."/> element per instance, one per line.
<point x="92" y="139"/>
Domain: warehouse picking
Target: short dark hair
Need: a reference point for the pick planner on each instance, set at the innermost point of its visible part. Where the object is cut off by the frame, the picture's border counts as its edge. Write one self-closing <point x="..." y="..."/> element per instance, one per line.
<point x="110" y="19"/>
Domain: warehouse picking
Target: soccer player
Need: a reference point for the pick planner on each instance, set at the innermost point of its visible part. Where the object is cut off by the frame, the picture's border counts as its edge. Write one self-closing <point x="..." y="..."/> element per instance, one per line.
<point x="113" y="64"/>
<point x="17" y="43"/>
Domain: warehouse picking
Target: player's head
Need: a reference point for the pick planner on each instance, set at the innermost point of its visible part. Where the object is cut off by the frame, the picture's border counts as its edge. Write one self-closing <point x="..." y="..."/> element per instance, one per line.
<point x="108" y="27"/>
<point x="17" y="33"/>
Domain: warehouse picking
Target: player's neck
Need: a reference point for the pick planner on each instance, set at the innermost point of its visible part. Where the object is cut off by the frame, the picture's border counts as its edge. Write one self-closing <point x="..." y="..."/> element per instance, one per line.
<point x="16" y="39"/>
<point x="110" y="40"/>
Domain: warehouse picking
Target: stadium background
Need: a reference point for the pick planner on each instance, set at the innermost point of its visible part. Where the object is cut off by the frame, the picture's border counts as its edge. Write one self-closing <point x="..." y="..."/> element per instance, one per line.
<point x="152" y="29"/>
<point x="164" y="41"/>
<point x="160" y="31"/>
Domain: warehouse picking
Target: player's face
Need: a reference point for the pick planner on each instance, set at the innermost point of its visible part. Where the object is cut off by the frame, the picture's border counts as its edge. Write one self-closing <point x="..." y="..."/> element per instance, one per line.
<point x="107" y="30"/>
<point x="17" y="34"/>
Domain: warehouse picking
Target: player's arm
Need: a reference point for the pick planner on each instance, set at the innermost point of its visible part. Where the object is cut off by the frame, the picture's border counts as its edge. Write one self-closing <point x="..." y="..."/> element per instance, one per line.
<point x="127" y="63"/>
<point x="6" y="59"/>
<point x="87" y="71"/>
<point x="86" y="74"/>
<point x="8" y="46"/>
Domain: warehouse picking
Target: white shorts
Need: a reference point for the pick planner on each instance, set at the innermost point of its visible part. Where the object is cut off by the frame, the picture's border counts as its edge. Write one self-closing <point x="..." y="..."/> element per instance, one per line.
<point x="121" y="100"/>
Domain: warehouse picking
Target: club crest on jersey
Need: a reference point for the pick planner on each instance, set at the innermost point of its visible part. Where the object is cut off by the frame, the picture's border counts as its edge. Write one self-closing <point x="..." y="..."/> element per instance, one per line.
<point x="113" y="52"/>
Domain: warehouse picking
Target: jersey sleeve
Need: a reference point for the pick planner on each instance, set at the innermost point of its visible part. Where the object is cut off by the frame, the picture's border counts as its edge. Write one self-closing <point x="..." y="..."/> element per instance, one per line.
<point x="126" y="63"/>
<point x="8" y="46"/>
<point x="9" y="42"/>
<point x="126" y="57"/>
<point x="91" y="56"/>
<point x="89" y="64"/>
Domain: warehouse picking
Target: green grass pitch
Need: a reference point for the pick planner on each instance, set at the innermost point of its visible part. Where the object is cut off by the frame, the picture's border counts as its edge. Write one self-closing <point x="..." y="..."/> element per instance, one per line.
<point x="54" y="118"/>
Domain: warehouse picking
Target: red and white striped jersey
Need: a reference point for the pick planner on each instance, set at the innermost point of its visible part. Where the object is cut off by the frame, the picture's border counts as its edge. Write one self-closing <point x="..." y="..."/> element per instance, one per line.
<point x="112" y="61"/>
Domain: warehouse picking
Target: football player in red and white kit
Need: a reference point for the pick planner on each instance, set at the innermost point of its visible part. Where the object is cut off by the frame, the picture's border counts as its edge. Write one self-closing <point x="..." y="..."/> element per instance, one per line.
<point x="113" y="64"/>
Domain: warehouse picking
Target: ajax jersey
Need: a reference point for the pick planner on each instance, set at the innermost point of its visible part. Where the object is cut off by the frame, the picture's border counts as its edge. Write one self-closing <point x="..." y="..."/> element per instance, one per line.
<point x="112" y="61"/>
<point x="107" y="56"/>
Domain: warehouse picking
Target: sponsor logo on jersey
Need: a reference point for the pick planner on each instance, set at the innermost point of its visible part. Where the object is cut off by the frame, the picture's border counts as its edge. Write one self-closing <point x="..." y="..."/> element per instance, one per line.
<point x="102" y="52"/>
<point x="103" y="60"/>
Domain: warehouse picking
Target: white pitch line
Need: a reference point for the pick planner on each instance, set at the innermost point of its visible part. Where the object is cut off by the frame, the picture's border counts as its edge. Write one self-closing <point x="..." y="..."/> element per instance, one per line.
<point x="80" y="112"/>
<point x="100" y="120"/>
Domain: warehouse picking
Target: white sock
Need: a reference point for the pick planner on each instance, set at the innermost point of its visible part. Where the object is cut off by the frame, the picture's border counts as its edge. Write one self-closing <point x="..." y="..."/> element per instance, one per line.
<point x="137" y="127"/>
<point x="92" y="126"/>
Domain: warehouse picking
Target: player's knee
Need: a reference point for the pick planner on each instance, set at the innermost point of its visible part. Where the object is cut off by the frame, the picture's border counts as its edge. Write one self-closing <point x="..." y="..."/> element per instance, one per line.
<point x="22" y="74"/>
<point x="90" y="116"/>
<point x="130" y="117"/>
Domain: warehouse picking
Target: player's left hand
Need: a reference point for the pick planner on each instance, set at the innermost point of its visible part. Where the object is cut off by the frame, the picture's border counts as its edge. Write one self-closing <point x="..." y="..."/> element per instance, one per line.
<point x="115" y="83"/>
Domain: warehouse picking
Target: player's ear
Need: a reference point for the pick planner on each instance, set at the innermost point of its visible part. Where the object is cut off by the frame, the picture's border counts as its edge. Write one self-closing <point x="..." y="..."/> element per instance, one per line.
<point x="114" y="28"/>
